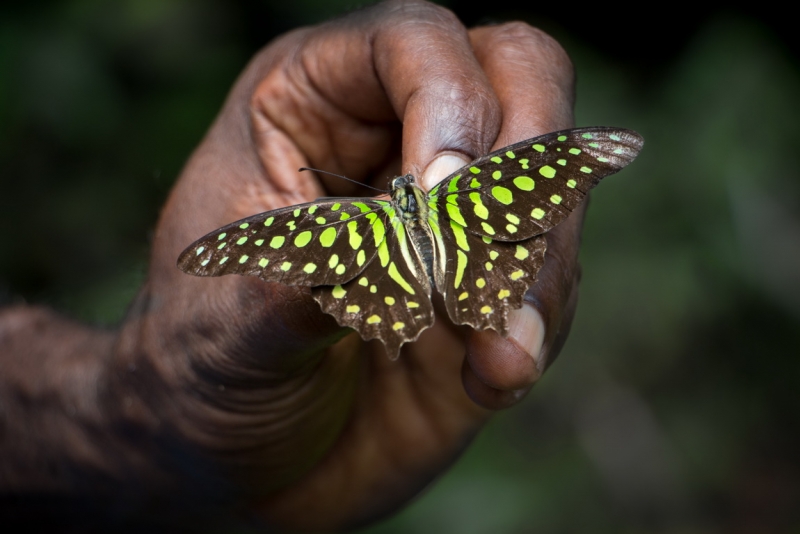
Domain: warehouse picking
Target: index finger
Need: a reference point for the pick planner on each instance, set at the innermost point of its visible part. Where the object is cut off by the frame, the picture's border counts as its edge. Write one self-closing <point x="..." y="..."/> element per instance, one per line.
<point x="412" y="61"/>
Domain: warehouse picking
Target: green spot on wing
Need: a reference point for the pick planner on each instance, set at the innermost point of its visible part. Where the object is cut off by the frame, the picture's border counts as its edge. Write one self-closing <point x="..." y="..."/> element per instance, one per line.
<point x="302" y="239"/>
<point x="378" y="231"/>
<point x="479" y="208"/>
<point x="547" y="171"/>
<point x="454" y="212"/>
<point x="461" y="264"/>
<point x="524" y="183"/>
<point x="383" y="254"/>
<point x="503" y="195"/>
<point x="452" y="185"/>
<point x="327" y="237"/>
<point x="395" y="275"/>
<point x="460" y="235"/>
<point x="355" y="237"/>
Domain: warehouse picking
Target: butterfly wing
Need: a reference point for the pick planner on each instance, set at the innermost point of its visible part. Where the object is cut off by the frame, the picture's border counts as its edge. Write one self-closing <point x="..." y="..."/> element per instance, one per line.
<point x="354" y="253"/>
<point x="327" y="242"/>
<point x="486" y="217"/>
<point x="391" y="298"/>
<point x="482" y="278"/>
<point x="527" y="188"/>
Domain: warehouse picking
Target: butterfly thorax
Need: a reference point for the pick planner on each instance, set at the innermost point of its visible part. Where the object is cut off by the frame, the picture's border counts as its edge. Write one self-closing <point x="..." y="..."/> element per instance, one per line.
<point x="412" y="206"/>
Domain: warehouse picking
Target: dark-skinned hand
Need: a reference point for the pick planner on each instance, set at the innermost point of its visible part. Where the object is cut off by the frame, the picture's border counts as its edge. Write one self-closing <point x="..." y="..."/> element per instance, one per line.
<point x="235" y="391"/>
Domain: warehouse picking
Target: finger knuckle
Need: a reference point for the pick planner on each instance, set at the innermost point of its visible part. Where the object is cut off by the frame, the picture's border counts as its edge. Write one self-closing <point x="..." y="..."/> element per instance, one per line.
<point x="423" y="12"/>
<point x="468" y="107"/>
<point x="521" y="39"/>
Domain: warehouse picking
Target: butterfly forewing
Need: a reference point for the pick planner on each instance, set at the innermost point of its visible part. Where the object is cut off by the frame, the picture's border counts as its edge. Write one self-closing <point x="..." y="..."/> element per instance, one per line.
<point x="390" y="299"/>
<point x="527" y="188"/>
<point x="319" y="243"/>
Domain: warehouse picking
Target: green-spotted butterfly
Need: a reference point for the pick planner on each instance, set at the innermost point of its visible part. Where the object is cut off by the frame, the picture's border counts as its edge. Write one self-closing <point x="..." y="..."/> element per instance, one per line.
<point x="476" y="237"/>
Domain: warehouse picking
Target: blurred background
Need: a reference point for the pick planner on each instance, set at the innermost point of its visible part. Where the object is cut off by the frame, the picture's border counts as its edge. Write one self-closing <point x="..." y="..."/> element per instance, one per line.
<point x="674" y="406"/>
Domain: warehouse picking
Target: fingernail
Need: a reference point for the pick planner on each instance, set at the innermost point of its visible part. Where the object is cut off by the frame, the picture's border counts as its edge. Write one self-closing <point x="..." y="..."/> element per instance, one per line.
<point x="526" y="328"/>
<point x="440" y="168"/>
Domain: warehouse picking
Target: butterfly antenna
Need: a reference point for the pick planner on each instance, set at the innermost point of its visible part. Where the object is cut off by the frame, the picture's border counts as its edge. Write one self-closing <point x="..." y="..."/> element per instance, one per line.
<point x="343" y="178"/>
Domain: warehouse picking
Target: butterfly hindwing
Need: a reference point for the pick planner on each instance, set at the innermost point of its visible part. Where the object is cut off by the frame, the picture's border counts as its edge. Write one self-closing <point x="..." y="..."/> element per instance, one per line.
<point x="527" y="188"/>
<point x="483" y="279"/>
<point x="311" y="244"/>
<point x="390" y="299"/>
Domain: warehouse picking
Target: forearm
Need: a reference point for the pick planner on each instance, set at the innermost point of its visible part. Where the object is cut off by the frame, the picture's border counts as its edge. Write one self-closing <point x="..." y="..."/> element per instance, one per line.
<point x="74" y="425"/>
<point x="49" y="399"/>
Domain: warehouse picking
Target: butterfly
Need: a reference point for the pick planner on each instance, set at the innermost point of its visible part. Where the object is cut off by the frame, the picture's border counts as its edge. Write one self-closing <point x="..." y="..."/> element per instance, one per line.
<point x="476" y="237"/>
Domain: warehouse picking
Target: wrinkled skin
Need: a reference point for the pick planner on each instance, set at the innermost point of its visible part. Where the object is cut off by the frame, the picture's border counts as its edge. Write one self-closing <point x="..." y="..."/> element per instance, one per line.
<point x="232" y="392"/>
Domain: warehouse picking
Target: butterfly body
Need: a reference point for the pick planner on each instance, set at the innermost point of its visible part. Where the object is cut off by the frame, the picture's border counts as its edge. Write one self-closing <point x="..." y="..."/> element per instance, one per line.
<point x="476" y="237"/>
<point x="411" y="202"/>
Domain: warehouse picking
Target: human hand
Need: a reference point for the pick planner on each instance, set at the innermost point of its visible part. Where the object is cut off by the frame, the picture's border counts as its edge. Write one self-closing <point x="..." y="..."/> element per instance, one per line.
<point x="316" y="431"/>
